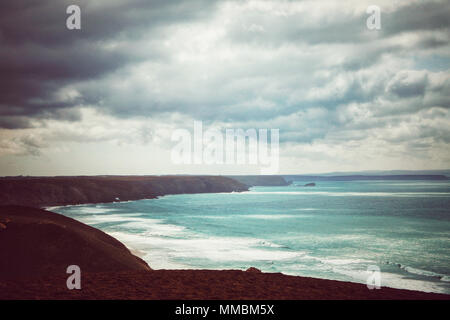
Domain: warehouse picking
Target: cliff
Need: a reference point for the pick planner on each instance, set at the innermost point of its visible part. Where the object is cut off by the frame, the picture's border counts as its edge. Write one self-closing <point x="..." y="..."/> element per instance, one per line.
<point x="54" y="191"/>
<point x="364" y="177"/>
<point x="260" y="180"/>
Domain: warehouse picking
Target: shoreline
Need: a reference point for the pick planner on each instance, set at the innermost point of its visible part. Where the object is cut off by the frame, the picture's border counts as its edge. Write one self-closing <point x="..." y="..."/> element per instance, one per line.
<point x="141" y="254"/>
<point x="41" y="272"/>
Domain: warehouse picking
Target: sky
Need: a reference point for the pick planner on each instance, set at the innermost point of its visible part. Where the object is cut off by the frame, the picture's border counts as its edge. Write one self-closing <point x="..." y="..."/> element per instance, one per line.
<point x="106" y="99"/>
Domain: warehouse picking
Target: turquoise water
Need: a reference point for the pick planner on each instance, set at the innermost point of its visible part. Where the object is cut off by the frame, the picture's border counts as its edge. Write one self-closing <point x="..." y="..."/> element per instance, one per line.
<point x="334" y="230"/>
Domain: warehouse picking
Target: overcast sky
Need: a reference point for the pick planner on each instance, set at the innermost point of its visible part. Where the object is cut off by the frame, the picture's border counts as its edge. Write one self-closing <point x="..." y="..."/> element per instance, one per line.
<point x="106" y="99"/>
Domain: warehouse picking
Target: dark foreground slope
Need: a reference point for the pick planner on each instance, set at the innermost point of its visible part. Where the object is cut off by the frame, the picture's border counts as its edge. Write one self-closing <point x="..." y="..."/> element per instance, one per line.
<point x="36" y="243"/>
<point x="53" y="191"/>
<point x="200" y="284"/>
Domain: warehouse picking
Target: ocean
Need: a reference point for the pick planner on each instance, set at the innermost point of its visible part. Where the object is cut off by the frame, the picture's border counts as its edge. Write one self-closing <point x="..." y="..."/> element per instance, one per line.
<point x="335" y="230"/>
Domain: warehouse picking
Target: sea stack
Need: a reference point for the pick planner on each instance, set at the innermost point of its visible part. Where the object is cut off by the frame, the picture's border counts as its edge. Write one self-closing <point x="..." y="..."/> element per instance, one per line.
<point x="311" y="184"/>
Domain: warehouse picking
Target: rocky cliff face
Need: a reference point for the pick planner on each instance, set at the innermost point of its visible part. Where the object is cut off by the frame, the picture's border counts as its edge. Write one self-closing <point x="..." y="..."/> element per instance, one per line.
<point x="53" y="191"/>
<point x="261" y="180"/>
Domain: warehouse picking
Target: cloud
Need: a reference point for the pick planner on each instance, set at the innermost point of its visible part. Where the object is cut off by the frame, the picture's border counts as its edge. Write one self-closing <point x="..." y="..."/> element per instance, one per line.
<point x="40" y="56"/>
<point x="310" y="68"/>
<point x="408" y="83"/>
<point x="416" y="16"/>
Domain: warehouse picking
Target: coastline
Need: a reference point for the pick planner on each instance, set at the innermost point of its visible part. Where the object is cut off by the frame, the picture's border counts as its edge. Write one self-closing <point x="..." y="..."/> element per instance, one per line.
<point x="280" y="284"/>
<point x="127" y="282"/>
<point x="355" y="280"/>
<point x="41" y="192"/>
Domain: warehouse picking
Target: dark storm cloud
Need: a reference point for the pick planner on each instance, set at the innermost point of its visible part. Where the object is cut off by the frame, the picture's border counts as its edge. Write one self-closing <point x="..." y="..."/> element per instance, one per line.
<point x="14" y="122"/>
<point x="39" y="55"/>
<point x="417" y="16"/>
<point x="44" y="21"/>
